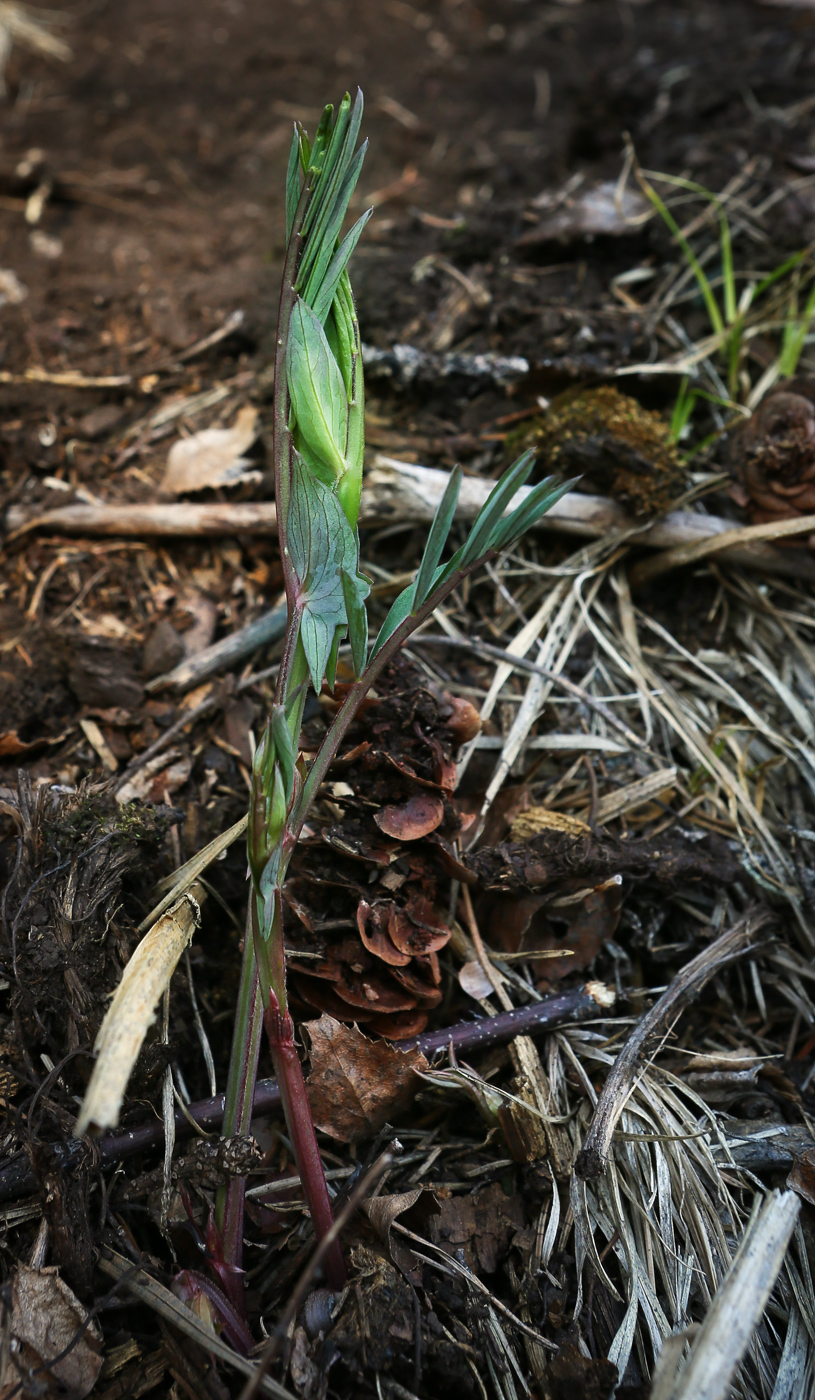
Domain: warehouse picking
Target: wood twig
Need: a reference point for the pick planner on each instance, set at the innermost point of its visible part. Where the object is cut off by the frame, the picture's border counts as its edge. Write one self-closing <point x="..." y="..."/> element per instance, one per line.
<point x="399" y="492"/>
<point x="564" y="1008"/>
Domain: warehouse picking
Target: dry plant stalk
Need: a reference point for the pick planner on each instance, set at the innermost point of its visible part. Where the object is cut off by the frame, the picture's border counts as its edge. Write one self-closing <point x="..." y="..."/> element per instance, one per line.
<point x="743" y="938"/>
<point x="132" y="1010"/>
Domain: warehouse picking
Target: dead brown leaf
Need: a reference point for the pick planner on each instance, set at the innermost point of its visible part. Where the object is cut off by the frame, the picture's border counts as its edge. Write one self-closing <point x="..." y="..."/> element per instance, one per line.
<point x="45" y="1317"/>
<point x="477" y="1229"/>
<point x="213" y="457"/>
<point x="802" y="1176"/>
<point x="570" y="1373"/>
<point x="417" y="1206"/>
<point x="356" y="1084"/>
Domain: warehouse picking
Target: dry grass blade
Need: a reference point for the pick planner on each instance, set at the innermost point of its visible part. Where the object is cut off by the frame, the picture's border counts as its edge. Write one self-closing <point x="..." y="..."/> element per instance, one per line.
<point x="32" y="29"/>
<point x="132" y="1010"/>
<point x="635" y="795"/>
<point x="182" y="878"/>
<point x="737" y="1308"/>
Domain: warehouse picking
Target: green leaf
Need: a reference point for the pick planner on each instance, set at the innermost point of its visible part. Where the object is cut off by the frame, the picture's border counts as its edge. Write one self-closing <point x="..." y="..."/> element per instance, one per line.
<point x="357" y="618"/>
<point x="437" y="538"/>
<point x="316" y="155"/>
<point x="401" y="608"/>
<point x="322" y="237"/>
<point x="540" y="499"/>
<point x="305" y="147"/>
<point x="325" y="166"/>
<point x="494" y="507"/>
<point x="333" y="657"/>
<point x="322" y="546"/>
<point x="292" y="183"/>
<point x="324" y="298"/>
<point x="317" y="390"/>
<point x="284" y="748"/>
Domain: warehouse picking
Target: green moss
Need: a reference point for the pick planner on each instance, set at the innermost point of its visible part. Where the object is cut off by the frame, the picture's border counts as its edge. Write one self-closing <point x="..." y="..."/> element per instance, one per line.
<point x="616" y="445"/>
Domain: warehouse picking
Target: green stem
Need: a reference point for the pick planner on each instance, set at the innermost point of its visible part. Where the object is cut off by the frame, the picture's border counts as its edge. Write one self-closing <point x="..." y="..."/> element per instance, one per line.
<point x="240" y="1089"/>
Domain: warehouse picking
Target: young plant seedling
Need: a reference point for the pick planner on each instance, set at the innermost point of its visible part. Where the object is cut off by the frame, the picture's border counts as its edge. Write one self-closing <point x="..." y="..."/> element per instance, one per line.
<point x="318" y="449"/>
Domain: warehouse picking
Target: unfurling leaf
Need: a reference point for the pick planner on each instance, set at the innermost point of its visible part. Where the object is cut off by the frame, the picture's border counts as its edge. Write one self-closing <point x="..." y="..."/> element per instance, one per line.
<point x="318" y="397"/>
<point x="342" y="329"/>
<point x="292" y="183"/>
<point x="323" y="547"/>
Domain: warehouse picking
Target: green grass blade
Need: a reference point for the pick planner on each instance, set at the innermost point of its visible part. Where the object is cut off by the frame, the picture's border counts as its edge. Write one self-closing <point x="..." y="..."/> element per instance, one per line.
<point x="728" y="274"/>
<point x="683" y="408"/>
<point x="437" y="538"/>
<point x="779" y="272"/>
<point x="702" y="282"/>
<point x="795" y="334"/>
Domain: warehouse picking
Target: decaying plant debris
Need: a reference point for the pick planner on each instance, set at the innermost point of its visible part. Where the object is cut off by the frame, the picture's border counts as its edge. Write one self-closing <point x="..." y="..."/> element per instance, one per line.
<point x="584" y="795"/>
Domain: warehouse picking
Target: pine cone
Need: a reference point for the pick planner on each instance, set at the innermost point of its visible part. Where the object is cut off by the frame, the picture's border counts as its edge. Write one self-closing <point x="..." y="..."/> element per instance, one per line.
<point x="368" y="888"/>
<point x="772" y="456"/>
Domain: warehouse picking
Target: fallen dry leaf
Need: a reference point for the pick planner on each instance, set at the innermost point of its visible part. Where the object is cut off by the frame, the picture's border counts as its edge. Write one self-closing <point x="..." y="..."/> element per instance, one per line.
<point x="802" y="1176"/>
<point x="356" y="1084"/>
<point x="213" y="457"/>
<point x="413" y="819"/>
<point x="418" y="1206"/>
<point x="473" y="980"/>
<point x="477" y="1230"/>
<point x="45" y="1316"/>
<point x="383" y="1210"/>
<point x="132" y="1010"/>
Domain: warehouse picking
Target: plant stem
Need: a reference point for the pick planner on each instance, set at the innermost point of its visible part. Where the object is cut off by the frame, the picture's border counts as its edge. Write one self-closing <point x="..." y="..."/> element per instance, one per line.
<point x="243" y="1063"/>
<point x="292" y="1085"/>
<point x="240" y="1090"/>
